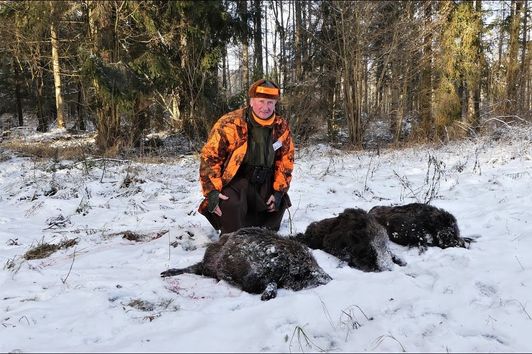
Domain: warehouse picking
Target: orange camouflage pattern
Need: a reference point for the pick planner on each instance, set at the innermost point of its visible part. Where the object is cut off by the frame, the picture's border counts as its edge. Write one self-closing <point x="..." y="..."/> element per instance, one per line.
<point x="226" y="147"/>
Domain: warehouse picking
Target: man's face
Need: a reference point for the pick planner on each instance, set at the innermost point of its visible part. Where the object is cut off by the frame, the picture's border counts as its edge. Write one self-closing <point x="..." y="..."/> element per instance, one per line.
<point x="262" y="107"/>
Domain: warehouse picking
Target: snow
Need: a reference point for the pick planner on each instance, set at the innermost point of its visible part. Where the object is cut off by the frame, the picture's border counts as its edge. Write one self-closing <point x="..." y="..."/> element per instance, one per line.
<point x="105" y="294"/>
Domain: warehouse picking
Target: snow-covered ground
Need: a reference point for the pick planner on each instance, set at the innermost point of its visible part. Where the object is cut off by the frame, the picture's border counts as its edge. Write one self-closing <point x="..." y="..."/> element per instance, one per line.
<point x="104" y="293"/>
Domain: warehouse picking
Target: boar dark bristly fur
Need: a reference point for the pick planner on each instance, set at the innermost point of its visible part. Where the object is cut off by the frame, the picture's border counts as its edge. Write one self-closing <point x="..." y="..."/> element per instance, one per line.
<point x="355" y="237"/>
<point x="258" y="261"/>
<point x="420" y="225"/>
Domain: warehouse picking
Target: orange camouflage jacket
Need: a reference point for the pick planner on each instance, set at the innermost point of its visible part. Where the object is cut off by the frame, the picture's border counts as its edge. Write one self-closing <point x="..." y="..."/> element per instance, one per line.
<point x="226" y="147"/>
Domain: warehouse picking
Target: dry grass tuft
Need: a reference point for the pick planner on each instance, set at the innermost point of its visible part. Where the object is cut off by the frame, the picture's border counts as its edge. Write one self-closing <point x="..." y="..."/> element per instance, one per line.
<point x="46" y="150"/>
<point x="132" y="236"/>
<point x="141" y="305"/>
<point x="137" y="237"/>
<point x="44" y="249"/>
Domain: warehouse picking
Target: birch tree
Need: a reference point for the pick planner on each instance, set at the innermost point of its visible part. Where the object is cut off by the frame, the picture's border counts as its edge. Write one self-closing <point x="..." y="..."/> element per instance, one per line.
<point x="54" y="38"/>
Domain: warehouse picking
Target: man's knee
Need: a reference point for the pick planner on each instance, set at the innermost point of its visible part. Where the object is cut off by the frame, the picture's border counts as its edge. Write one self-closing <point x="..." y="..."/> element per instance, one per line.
<point x="233" y="207"/>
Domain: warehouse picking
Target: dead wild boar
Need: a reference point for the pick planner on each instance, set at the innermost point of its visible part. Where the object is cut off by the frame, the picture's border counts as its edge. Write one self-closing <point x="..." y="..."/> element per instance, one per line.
<point x="420" y="225"/>
<point x="355" y="237"/>
<point x="258" y="261"/>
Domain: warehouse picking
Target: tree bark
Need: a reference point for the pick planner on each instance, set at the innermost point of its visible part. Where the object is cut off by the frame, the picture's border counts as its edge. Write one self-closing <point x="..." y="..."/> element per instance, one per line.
<point x="80" y="111"/>
<point x="101" y="15"/>
<point x="56" y="68"/>
<point x="225" y="71"/>
<point x="266" y="51"/>
<point x="474" y="120"/>
<point x="524" y="68"/>
<point x="298" y="41"/>
<point x="349" y="33"/>
<point x="426" y="75"/>
<point x="258" y="72"/>
<point x="42" y="119"/>
<point x="242" y="10"/>
<point x="512" y="58"/>
<point x="283" y="67"/>
<point x="18" y="98"/>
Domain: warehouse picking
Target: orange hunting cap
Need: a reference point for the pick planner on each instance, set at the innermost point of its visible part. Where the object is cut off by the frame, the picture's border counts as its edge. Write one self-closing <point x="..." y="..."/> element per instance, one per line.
<point x="265" y="89"/>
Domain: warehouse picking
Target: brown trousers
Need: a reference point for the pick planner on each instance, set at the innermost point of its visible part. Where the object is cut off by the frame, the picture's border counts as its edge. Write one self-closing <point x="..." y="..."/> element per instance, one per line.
<point x="246" y="206"/>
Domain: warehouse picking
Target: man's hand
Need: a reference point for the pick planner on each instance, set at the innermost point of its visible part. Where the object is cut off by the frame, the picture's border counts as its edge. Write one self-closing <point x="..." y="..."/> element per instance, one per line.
<point x="217" y="209"/>
<point x="270" y="203"/>
<point x="274" y="201"/>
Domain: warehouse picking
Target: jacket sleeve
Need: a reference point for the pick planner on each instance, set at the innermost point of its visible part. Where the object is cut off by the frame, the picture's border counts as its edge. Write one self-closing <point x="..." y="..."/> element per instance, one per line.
<point x="284" y="161"/>
<point x="213" y="156"/>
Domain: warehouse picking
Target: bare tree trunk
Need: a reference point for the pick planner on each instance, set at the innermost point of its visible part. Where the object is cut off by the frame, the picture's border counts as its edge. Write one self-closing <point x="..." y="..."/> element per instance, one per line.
<point x="224" y="68"/>
<point x="39" y="88"/>
<point x="258" y="71"/>
<point x="225" y="72"/>
<point x="331" y="99"/>
<point x="278" y="39"/>
<point x="463" y="92"/>
<point x="305" y="45"/>
<point x="56" y="68"/>
<point x="275" y="64"/>
<point x="426" y="75"/>
<point x="142" y="120"/>
<point x="282" y="44"/>
<point x="512" y="58"/>
<point x="527" y="64"/>
<point x="402" y="102"/>
<point x="104" y="37"/>
<point x="175" y="111"/>
<point x="330" y="72"/>
<point x="524" y="68"/>
<point x="501" y="37"/>
<point x="395" y="102"/>
<point x="474" y="120"/>
<point x="80" y="108"/>
<point x="297" y="41"/>
<point x="17" y="75"/>
<point x="242" y="10"/>
<point x="183" y="41"/>
<point x="364" y="99"/>
<point x="289" y="73"/>
<point x="18" y="99"/>
<point x="38" y="82"/>
<point x="266" y="35"/>
<point x="351" y="70"/>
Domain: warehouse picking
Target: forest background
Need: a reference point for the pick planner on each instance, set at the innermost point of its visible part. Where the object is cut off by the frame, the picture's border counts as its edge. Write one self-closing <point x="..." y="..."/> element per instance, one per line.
<point x="424" y="70"/>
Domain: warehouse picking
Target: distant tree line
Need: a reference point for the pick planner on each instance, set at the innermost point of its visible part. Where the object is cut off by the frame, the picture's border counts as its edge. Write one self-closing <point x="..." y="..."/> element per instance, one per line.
<point x="130" y="67"/>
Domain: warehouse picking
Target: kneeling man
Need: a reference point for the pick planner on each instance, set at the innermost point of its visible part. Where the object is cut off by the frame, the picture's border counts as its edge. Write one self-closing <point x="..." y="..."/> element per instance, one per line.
<point x="246" y="164"/>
